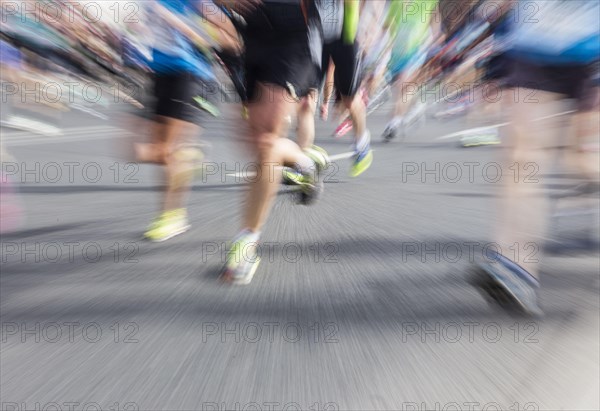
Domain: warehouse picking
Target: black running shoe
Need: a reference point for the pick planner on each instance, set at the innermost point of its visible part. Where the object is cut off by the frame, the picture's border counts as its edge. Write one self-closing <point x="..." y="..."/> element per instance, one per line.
<point x="509" y="285"/>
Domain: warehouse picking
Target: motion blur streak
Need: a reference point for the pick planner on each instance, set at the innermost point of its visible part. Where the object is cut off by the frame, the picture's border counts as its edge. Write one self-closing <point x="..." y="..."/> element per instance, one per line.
<point x="291" y="204"/>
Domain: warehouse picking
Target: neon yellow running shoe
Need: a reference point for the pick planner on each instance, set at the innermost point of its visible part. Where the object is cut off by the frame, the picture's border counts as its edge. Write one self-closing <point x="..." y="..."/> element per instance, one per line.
<point x="291" y="176"/>
<point x="482" y="138"/>
<point x="311" y="182"/>
<point x="168" y="225"/>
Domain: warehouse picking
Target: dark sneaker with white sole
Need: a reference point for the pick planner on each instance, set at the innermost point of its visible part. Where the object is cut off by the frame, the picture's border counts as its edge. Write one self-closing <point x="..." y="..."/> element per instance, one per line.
<point x="509" y="285"/>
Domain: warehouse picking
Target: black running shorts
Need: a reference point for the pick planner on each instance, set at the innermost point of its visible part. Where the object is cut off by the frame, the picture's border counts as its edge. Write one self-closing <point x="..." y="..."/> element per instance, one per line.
<point x="180" y="96"/>
<point x="495" y="68"/>
<point x="289" y="67"/>
<point x="572" y="81"/>
<point x="347" y="66"/>
<point x="277" y="49"/>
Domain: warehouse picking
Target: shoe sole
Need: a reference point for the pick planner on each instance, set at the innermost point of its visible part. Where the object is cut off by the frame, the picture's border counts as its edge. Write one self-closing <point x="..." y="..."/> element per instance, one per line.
<point x="364" y="167"/>
<point x="247" y="279"/>
<point x="479" y="144"/>
<point x="289" y="181"/>
<point x="173" y="234"/>
<point x="496" y="291"/>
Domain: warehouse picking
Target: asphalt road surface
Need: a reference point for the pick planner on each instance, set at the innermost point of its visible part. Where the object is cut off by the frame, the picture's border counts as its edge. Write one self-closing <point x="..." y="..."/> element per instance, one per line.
<point x="361" y="301"/>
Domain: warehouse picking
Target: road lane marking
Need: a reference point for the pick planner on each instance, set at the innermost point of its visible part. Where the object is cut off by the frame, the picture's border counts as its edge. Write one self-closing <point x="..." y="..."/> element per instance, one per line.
<point x="476" y="129"/>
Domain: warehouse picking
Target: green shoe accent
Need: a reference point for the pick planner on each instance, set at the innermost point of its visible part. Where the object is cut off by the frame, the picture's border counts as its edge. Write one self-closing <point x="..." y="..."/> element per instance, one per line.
<point x="242" y="261"/>
<point x="319" y="156"/>
<point x="311" y="184"/>
<point x="167" y="225"/>
<point x="237" y="251"/>
<point x="482" y="139"/>
<point x="360" y="166"/>
<point x="291" y="176"/>
<point x="207" y="106"/>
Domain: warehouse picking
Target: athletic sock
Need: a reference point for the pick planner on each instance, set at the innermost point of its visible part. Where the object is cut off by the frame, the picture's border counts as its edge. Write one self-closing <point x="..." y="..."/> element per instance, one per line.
<point x="252" y="236"/>
<point x="363" y="142"/>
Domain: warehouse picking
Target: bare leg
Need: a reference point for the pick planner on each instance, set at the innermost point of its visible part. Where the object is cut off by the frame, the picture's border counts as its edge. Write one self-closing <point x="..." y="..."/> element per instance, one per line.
<point x="358" y="113"/>
<point x="167" y="136"/>
<point x="178" y="168"/>
<point x="306" y="120"/>
<point x="402" y="100"/>
<point x="267" y="116"/>
<point x="522" y="203"/>
<point x="327" y="90"/>
<point x="584" y="149"/>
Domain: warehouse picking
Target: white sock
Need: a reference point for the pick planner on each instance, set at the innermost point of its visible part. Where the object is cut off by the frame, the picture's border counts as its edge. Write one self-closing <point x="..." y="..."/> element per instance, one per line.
<point x="252" y="236"/>
<point x="363" y="142"/>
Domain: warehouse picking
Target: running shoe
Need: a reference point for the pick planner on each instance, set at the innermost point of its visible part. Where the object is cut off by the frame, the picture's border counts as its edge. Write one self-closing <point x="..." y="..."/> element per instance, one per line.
<point x="291" y="176"/>
<point x="311" y="182"/>
<point x="344" y="128"/>
<point x="394" y="129"/>
<point x="363" y="158"/>
<point x="454" y="110"/>
<point x="482" y="138"/>
<point x="509" y="285"/>
<point x="242" y="260"/>
<point x="168" y="225"/>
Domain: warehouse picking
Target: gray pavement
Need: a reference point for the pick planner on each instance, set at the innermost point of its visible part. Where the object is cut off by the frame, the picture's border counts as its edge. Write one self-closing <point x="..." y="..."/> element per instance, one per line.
<point x="361" y="301"/>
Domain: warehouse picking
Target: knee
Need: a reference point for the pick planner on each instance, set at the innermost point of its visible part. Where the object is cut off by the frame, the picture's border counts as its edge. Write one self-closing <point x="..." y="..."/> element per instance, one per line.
<point x="264" y="144"/>
<point x="163" y="153"/>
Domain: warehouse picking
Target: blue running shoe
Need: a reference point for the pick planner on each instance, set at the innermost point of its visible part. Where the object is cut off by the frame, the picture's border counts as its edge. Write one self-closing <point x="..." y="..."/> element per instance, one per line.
<point x="362" y="159"/>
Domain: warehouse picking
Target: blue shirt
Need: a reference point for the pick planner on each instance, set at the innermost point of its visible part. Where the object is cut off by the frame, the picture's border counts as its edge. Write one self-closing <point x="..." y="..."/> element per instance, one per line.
<point x="172" y="52"/>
